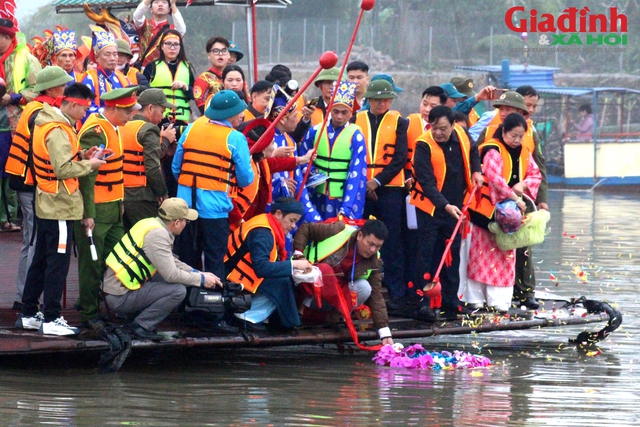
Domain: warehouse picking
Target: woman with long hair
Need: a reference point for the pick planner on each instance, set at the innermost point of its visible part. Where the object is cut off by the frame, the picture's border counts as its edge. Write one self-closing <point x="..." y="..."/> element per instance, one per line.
<point x="173" y="73"/>
<point x="509" y="172"/>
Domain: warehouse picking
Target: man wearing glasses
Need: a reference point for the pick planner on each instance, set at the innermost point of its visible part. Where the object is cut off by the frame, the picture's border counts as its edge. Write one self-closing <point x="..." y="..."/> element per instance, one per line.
<point x="210" y="82"/>
<point x="150" y="30"/>
<point x="144" y="277"/>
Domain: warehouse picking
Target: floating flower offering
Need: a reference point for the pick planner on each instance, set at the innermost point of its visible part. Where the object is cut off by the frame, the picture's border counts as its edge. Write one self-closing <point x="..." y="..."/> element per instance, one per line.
<point x="416" y="357"/>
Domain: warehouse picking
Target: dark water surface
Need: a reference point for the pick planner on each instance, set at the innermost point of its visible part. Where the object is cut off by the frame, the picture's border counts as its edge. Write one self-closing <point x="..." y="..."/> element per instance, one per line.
<point x="537" y="378"/>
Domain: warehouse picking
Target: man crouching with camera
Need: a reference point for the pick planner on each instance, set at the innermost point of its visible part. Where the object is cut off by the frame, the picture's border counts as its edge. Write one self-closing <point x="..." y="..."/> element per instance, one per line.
<point x="143" y="275"/>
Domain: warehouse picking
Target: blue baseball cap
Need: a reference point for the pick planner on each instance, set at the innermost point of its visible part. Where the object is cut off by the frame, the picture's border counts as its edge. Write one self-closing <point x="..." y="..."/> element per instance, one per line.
<point x="451" y="91"/>
<point x="388" y="78"/>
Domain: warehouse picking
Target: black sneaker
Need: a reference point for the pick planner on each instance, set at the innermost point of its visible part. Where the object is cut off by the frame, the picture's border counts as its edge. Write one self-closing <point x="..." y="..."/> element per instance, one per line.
<point x="425" y="314"/>
<point x="141" y="333"/>
<point x="529" y="302"/>
<point x="96" y="324"/>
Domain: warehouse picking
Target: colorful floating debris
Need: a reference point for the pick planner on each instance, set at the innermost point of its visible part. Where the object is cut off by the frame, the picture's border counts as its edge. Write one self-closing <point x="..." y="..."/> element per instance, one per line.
<point x="416" y="357"/>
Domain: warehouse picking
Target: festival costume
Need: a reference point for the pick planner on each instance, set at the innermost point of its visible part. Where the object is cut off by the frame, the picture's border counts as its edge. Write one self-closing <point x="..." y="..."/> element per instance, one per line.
<point x="206" y="84"/>
<point x="149" y="31"/>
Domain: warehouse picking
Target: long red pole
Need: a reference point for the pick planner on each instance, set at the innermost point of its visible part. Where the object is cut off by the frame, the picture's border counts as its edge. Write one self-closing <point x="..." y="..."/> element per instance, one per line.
<point x="254" y="26"/>
<point x="327" y="60"/>
<point x="364" y="6"/>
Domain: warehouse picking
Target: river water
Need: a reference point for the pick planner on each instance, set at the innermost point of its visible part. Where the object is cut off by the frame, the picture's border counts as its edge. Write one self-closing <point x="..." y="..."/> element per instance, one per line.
<point x="537" y="378"/>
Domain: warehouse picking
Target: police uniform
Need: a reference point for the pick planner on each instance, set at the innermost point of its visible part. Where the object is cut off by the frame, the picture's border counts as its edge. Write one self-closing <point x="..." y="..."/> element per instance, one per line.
<point x="103" y="193"/>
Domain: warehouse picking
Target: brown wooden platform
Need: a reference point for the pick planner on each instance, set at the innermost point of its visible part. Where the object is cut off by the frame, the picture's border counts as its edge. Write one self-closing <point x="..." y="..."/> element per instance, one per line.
<point x="178" y="335"/>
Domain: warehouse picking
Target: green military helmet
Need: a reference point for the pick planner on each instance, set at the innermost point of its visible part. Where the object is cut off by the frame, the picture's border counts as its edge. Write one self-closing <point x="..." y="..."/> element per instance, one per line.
<point x="380" y="89"/>
<point x="50" y="77"/>
<point x="512" y="99"/>
<point x="327" y="75"/>
<point x="123" y="47"/>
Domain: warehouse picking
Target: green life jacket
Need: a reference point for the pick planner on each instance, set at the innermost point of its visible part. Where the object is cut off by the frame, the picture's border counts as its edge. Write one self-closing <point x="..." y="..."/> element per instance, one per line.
<point x="318" y="251"/>
<point x="163" y="80"/>
<point x="127" y="259"/>
<point x="334" y="162"/>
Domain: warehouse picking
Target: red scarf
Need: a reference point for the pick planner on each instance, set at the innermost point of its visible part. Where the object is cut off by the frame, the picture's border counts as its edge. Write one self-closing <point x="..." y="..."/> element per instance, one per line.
<point x="278" y="234"/>
<point x="4" y="58"/>
<point x="54" y="102"/>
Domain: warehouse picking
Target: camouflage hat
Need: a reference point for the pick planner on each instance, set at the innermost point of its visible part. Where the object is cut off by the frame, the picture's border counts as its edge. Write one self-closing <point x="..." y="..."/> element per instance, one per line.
<point x="512" y="99"/>
<point x="380" y="89"/>
<point x="50" y="77"/>
<point x="463" y="85"/>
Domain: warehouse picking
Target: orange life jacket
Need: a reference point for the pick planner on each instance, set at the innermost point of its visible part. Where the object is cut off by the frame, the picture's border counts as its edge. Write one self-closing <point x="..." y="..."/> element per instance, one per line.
<point x="133" y="162"/>
<point x="418" y="198"/>
<point x="416" y="128"/>
<point x="317" y="116"/>
<point x="45" y="176"/>
<point x="19" y="153"/>
<point x="93" y="75"/>
<point x="239" y="256"/>
<point x="485" y="207"/>
<point x="527" y="139"/>
<point x="385" y="145"/>
<point x="132" y="75"/>
<point x="207" y="160"/>
<point x="110" y="180"/>
<point x="473" y="117"/>
<point x="247" y="195"/>
<point x="248" y="115"/>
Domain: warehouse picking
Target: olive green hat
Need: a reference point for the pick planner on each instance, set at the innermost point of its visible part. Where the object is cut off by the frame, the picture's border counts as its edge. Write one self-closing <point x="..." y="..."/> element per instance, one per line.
<point x="154" y="96"/>
<point x="512" y="99"/>
<point x="463" y="85"/>
<point x="123" y="47"/>
<point x="327" y="75"/>
<point x="50" y="77"/>
<point x="380" y="89"/>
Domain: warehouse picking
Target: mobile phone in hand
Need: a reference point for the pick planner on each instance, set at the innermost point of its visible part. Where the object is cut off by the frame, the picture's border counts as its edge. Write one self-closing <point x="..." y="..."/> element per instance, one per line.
<point x="498" y="93"/>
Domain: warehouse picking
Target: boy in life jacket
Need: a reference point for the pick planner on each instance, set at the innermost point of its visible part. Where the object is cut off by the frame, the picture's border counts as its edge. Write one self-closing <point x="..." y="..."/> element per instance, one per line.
<point x="58" y="162"/>
<point x="144" y="277"/>
<point x="50" y="84"/>
<point x="256" y="257"/>
<point x="351" y="267"/>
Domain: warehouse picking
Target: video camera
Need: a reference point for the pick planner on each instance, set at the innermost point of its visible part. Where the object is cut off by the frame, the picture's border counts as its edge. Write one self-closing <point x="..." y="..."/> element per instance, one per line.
<point x="231" y="298"/>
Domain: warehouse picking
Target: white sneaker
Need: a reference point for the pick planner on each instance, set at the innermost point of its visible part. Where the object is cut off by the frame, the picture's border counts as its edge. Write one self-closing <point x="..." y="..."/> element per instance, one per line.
<point x="30" y="322"/>
<point x="57" y="327"/>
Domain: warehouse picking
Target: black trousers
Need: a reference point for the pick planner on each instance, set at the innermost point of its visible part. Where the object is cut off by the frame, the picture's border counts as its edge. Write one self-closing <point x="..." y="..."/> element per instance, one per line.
<point x="48" y="270"/>
<point x="525" y="283"/>
<point x="388" y="209"/>
<point x="210" y="236"/>
<point x="433" y="232"/>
